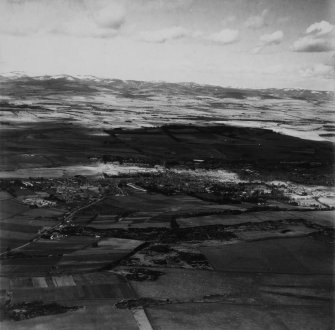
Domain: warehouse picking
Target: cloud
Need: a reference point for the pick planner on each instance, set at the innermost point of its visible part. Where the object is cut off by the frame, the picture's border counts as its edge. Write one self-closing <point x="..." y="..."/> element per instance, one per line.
<point x="159" y="5"/>
<point x="84" y="18"/>
<point x="16" y="17"/>
<point x="160" y="36"/>
<point x="226" y="36"/>
<point x="83" y="28"/>
<point x="274" y="38"/>
<point x="319" y="70"/>
<point x="319" y="38"/>
<point x="309" y="44"/>
<point x="110" y="17"/>
<point x="228" y="20"/>
<point x="258" y="21"/>
<point x="283" y="20"/>
<point x="320" y="29"/>
<point x="270" y="39"/>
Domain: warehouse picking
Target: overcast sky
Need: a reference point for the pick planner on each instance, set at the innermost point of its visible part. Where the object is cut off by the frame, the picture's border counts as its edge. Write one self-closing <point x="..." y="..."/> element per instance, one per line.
<point x="243" y="43"/>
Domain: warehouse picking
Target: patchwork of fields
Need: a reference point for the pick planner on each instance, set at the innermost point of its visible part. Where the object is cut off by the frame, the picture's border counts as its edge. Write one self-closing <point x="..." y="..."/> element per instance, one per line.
<point x="129" y="205"/>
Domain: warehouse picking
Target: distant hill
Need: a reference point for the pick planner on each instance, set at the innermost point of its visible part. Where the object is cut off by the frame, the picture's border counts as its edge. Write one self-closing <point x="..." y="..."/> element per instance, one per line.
<point x="21" y="84"/>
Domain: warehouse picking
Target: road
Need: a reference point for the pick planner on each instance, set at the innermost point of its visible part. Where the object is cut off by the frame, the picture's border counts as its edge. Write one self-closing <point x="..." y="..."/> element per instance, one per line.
<point x="66" y="219"/>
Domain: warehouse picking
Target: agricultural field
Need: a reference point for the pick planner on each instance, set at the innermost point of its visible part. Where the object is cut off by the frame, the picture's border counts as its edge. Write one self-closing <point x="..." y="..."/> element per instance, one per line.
<point x="132" y="205"/>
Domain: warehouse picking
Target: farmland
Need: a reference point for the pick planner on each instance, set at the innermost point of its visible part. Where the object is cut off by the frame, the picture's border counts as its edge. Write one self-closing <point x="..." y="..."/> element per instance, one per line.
<point x="191" y="215"/>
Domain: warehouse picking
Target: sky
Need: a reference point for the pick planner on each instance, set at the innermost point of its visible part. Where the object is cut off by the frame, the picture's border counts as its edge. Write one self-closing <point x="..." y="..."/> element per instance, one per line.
<point x="240" y="43"/>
